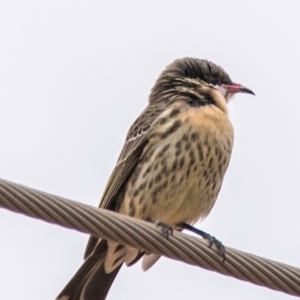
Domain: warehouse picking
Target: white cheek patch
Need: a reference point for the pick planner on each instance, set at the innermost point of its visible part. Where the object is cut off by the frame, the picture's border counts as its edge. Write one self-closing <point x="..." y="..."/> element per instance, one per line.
<point x="222" y="90"/>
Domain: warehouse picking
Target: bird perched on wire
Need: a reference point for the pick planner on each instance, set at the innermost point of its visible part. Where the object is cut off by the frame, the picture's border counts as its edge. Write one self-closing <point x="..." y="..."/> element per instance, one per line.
<point x="170" y="169"/>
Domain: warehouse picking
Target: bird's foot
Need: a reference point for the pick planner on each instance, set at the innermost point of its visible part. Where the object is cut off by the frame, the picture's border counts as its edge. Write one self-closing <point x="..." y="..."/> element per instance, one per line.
<point x="211" y="239"/>
<point x="166" y="229"/>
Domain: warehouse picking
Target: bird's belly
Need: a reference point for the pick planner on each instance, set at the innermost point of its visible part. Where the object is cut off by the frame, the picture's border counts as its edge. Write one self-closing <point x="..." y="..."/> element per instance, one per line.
<point x="189" y="184"/>
<point x="179" y="179"/>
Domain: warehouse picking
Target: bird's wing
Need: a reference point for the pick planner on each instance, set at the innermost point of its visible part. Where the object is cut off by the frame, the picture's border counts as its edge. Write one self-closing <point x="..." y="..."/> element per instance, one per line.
<point x="130" y="155"/>
<point x="128" y="159"/>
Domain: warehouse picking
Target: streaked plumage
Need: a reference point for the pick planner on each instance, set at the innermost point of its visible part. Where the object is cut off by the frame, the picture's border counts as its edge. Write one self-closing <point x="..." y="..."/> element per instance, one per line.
<point x="171" y="167"/>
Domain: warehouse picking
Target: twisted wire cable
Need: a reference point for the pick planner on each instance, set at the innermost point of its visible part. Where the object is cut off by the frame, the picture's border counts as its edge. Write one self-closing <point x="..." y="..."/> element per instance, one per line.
<point x="145" y="236"/>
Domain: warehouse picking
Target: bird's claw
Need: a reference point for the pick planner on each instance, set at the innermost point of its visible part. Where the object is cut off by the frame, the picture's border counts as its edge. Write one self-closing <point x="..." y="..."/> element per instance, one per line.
<point x="213" y="241"/>
<point x="166" y="229"/>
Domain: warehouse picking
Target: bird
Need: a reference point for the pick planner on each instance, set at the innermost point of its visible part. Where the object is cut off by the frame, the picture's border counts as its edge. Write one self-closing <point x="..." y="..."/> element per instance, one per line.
<point x="170" y="169"/>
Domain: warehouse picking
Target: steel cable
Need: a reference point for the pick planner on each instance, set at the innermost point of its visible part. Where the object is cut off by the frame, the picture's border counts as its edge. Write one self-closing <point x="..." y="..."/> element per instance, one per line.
<point x="148" y="237"/>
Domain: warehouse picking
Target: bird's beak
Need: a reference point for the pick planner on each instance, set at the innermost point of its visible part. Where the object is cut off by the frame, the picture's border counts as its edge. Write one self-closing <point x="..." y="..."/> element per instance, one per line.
<point x="237" y="88"/>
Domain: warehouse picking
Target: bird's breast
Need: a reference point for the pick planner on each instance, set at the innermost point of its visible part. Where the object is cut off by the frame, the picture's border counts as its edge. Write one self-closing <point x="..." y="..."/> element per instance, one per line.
<point x="182" y="168"/>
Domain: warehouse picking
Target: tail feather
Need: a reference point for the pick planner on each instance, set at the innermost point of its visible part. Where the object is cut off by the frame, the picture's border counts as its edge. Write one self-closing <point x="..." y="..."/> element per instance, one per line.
<point x="91" y="282"/>
<point x="149" y="260"/>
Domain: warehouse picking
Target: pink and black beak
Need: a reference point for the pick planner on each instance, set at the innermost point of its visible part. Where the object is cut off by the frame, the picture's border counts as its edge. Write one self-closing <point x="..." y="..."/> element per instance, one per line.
<point x="236" y="88"/>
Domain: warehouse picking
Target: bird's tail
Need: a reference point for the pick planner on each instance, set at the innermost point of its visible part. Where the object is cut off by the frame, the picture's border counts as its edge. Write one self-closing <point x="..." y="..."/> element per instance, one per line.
<point x="91" y="281"/>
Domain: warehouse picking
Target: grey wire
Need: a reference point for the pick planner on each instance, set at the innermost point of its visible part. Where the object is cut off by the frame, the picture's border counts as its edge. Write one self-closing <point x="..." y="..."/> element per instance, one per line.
<point x="148" y="237"/>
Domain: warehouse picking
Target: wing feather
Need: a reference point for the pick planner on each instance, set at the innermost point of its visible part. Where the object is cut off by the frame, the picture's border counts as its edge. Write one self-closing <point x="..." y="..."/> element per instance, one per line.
<point x="135" y="143"/>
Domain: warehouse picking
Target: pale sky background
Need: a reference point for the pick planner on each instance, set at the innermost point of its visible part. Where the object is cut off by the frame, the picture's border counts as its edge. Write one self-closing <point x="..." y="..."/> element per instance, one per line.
<point x="74" y="75"/>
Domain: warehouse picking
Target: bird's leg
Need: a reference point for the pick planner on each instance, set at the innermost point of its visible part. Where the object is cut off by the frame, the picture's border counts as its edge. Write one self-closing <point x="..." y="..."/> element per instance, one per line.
<point x="167" y="230"/>
<point x="211" y="239"/>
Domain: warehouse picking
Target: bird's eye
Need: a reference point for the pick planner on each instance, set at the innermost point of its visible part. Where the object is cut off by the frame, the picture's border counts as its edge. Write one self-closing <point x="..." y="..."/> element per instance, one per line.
<point x="192" y="100"/>
<point x="195" y="101"/>
<point x="218" y="81"/>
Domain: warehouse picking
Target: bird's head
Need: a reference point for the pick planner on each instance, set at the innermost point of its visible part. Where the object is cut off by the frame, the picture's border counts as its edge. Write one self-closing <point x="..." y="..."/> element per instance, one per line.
<point x="200" y="81"/>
